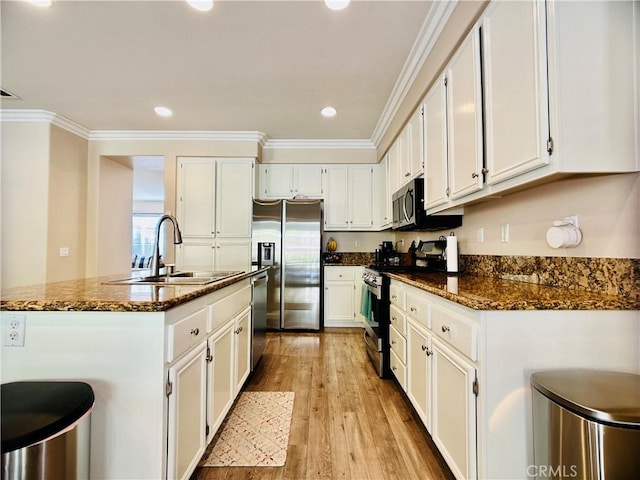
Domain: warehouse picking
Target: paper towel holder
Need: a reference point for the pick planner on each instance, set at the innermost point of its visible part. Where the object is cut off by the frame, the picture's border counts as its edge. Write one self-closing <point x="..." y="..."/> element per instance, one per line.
<point x="564" y="233"/>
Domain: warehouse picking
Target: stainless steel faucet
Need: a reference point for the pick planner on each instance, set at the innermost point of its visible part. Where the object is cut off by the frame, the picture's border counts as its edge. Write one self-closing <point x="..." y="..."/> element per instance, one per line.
<point x="177" y="238"/>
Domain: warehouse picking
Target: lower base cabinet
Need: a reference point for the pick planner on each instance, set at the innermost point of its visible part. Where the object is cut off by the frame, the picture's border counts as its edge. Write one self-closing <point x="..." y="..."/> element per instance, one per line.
<point x="342" y="296"/>
<point x="187" y="412"/>
<point x="454" y="410"/>
<point x="220" y="384"/>
<point x="419" y="354"/>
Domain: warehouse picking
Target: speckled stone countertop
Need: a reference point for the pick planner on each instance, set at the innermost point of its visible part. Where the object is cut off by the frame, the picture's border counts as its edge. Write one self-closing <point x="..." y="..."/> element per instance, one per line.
<point x="90" y="294"/>
<point x="486" y="293"/>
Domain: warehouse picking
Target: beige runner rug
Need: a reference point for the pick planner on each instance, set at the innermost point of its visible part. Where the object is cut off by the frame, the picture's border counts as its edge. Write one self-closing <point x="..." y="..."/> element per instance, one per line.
<point x="255" y="434"/>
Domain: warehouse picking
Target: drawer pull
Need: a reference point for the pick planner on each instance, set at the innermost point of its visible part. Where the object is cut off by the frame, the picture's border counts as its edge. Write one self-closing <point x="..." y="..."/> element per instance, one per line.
<point x="394" y="297"/>
<point x="423" y="347"/>
<point x="426" y="350"/>
<point x="413" y="309"/>
<point x="394" y="368"/>
<point x="393" y="342"/>
<point x="445" y="328"/>
<point x="195" y="331"/>
<point x="394" y="319"/>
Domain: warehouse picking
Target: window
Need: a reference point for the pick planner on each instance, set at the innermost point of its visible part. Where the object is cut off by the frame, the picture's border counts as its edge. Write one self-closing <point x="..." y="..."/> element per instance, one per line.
<point x="143" y="232"/>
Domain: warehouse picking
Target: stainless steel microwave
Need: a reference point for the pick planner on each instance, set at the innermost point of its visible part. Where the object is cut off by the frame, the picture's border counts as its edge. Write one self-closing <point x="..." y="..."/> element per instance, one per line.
<point x="409" y="212"/>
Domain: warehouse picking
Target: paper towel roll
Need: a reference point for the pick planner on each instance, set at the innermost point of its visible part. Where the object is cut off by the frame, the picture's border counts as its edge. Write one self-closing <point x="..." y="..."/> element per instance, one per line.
<point x="452" y="254"/>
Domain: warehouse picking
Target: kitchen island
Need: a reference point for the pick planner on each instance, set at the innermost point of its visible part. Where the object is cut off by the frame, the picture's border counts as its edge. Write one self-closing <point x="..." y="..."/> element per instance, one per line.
<point x="165" y="363"/>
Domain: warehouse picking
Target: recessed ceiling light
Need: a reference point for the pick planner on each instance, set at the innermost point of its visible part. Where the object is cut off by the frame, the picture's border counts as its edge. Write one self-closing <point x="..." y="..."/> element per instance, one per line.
<point x="337" y="4"/>
<point x="163" y="111"/>
<point x="41" y="3"/>
<point x="328" y="112"/>
<point x="202" y="5"/>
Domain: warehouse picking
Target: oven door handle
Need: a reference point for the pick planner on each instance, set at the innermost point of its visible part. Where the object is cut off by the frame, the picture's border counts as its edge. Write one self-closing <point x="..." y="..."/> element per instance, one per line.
<point x="375" y="290"/>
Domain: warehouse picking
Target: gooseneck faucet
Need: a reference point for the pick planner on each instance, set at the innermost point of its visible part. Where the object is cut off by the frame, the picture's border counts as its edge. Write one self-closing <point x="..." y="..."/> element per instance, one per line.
<point x="177" y="238"/>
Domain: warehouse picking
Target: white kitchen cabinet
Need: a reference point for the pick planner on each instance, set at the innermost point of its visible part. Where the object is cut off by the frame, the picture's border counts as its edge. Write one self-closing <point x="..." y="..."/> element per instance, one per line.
<point x="385" y="215"/>
<point x="419" y="376"/>
<point x="411" y="155"/>
<point x="549" y="110"/>
<point x="395" y="166"/>
<point x="398" y="350"/>
<point x="464" y="114"/>
<point x="242" y="353"/>
<point x="349" y="197"/>
<point x="454" y="410"/>
<point x="340" y="296"/>
<point x="214" y="212"/>
<point x="287" y="181"/>
<point x="220" y="377"/>
<point x="187" y="412"/>
<point x="452" y="128"/>
<point x="217" y="254"/>
<point x="436" y="179"/>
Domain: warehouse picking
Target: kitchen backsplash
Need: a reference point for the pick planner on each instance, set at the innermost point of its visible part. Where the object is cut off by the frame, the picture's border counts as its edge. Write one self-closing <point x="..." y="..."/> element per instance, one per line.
<point x="615" y="276"/>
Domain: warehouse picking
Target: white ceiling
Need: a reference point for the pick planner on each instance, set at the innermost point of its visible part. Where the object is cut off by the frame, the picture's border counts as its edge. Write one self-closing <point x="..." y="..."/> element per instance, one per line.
<point x="257" y="66"/>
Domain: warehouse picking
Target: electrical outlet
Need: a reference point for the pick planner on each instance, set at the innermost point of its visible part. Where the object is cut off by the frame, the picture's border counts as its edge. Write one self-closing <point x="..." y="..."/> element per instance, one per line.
<point x="504" y="232"/>
<point x="14" y="330"/>
<point x="480" y="235"/>
<point x="357" y="243"/>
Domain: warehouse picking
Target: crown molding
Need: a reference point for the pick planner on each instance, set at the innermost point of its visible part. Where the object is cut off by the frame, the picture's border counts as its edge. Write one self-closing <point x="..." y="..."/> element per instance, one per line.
<point x="43" y="116"/>
<point x="258" y="137"/>
<point x="431" y="29"/>
<point x="323" y="144"/>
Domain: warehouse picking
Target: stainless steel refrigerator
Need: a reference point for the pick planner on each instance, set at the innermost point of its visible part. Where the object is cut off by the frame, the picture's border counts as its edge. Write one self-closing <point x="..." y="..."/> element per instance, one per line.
<point x="287" y="236"/>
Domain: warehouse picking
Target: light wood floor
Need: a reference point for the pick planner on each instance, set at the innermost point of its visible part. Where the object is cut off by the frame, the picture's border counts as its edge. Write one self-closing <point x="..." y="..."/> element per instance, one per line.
<point x="347" y="422"/>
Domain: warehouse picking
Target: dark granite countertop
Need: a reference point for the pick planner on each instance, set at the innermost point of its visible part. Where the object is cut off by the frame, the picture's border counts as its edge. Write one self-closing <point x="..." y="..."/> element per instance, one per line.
<point x="486" y="293"/>
<point x="91" y="294"/>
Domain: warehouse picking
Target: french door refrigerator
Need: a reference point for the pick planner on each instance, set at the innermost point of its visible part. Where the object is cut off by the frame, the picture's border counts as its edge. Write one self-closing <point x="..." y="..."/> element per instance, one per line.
<point x="287" y="237"/>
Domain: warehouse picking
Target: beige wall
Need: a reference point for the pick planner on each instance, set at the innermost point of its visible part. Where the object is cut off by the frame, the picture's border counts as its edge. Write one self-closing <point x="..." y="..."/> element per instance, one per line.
<point x="25" y="183"/>
<point x="607" y="206"/>
<point x="115" y="200"/>
<point x="67" y="202"/>
<point x="358" y="241"/>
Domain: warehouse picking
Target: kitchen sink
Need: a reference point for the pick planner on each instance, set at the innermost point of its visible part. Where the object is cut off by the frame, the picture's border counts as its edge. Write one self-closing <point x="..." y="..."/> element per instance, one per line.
<point x="178" y="278"/>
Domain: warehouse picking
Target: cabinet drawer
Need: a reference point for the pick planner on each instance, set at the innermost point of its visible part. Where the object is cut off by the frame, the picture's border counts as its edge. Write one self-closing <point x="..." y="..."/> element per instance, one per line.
<point x="398" y="369"/>
<point x="185" y="333"/>
<point x="228" y="307"/>
<point x="418" y="307"/>
<point x="457" y="330"/>
<point x="396" y="295"/>
<point x="398" y="344"/>
<point x="337" y="274"/>
<point x="398" y="319"/>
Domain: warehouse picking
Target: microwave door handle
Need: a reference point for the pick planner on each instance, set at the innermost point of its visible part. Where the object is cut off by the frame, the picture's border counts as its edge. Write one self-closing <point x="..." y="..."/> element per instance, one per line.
<point x="404" y="206"/>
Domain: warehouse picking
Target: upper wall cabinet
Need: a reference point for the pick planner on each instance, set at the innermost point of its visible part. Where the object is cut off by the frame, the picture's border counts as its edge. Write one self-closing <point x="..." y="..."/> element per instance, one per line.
<point x="453" y="144"/>
<point x="287" y="181"/>
<point x="560" y="97"/>
<point x="385" y="210"/>
<point x="349" y="197"/>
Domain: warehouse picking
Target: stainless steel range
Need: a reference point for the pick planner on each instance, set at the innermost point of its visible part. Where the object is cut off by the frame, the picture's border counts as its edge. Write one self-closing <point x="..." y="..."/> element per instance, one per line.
<point x="376" y="328"/>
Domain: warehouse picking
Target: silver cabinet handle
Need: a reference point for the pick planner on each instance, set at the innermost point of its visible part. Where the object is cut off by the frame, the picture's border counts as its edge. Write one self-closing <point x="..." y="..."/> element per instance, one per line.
<point x="423" y="347"/>
<point x="429" y="352"/>
<point x="445" y="329"/>
<point x="413" y="309"/>
<point x="195" y="331"/>
<point x="474" y="175"/>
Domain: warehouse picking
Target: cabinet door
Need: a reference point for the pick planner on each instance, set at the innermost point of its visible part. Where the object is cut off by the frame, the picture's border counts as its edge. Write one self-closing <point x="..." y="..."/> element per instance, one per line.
<point x="233" y="254"/>
<point x="419" y="352"/>
<point x="338" y="303"/>
<point x="336" y="197"/>
<point x="361" y="197"/>
<point x="464" y="112"/>
<point x="405" y="153"/>
<point x="514" y="76"/>
<point x="196" y="196"/>
<point x="195" y="253"/>
<point x="242" y="348"/>
<point x="234" y="195"/>
<point x="395" y="167"/>
<point x="416" y="157"/>
<point x="454" y="410"/>
<point x="187" y="413"/>
<point x="385" y="206"/>
<point x="435" y="146"/>
<point x="220" y="382"/>
<point x="278" y="181"/>
<point x="307" y="180"/>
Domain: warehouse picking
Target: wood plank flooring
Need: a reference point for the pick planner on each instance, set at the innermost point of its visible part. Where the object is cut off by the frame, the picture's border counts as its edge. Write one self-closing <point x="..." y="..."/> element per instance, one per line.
<point x="347" y="422"/>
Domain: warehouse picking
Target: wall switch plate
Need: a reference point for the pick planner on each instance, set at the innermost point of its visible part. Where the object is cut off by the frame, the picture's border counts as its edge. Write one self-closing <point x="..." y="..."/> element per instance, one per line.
<point x="64" y="251"/>
<point x="357" y="243"/>
<point x="13" y="330"/>
<point x="504" y="232"/>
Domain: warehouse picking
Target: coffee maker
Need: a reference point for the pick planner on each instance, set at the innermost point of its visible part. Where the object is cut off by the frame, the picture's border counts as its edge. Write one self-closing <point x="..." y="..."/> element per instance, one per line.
<point x="385" y="253"/>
